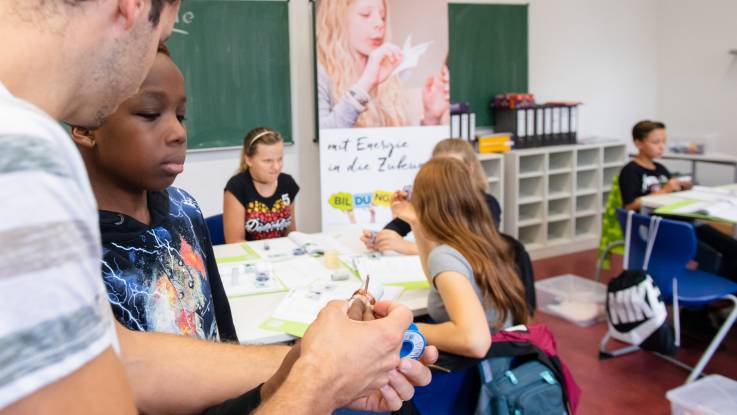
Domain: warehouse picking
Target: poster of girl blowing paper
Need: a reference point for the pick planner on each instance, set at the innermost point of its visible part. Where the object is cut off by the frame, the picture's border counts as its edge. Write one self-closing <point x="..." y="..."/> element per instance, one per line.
<point x="382" y="101"/>
<point x="365" y="78"/>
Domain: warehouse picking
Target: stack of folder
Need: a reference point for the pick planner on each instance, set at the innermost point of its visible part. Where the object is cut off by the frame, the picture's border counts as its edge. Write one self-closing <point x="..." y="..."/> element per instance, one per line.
<point x="495" y="143"/>
<point x="463" y="125"/>
<point x="536" y="125"/>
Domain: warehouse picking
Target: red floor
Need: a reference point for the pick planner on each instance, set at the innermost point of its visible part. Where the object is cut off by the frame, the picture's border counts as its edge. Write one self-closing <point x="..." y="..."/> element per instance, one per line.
<point x="631" y="384"/>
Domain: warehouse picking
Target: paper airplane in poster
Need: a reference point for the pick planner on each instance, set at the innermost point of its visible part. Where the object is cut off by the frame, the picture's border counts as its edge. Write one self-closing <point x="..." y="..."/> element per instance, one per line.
<point x="411" y="55"/>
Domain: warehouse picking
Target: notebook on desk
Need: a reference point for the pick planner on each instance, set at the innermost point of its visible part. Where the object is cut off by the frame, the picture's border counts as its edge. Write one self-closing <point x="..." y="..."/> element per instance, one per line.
<point x="391" y="270"/>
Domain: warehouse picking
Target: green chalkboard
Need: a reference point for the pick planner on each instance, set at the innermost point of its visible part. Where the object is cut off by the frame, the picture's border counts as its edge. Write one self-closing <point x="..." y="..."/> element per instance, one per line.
<point x="487" y="54"/>
<point x="235" y="58"/>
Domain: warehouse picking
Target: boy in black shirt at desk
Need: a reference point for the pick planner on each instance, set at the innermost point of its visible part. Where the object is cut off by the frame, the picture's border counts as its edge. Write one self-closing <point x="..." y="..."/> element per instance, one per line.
<point x="643" y="176"/>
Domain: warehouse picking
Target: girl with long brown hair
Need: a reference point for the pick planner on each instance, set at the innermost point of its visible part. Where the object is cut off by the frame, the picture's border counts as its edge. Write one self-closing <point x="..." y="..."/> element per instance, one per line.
<point x="391" y="238"/>
<point x="475" y="289"/>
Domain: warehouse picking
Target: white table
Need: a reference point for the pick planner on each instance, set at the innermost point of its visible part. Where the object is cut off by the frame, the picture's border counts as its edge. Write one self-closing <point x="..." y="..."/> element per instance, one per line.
<point x="649" y="204"/>
<point x="700" y="193"/>
<point x="250" y="311"/>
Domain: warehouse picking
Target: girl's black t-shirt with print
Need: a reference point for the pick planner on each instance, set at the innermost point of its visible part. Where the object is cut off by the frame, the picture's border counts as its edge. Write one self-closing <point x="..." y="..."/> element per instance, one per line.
<point x="636" y="181"/>
<point x="266" y="217"/>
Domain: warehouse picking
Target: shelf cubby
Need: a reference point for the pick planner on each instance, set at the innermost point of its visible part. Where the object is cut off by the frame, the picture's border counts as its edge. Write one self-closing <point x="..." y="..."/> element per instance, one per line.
<point x="614" y="154"/>
<point x="530" y="188"/>
<point x="559" y="208"/>
<point x="532" y="235"/>
<point x="560" y="161"/>
<point x="586" y="204"/>
<point x="587" y="157"/>
<point x="531" y="164"/>
<point x="586" y="226"/>
<point x="586" y="181"/>
<point x="560" y="183"/>
<point x="559" y="231"/>
<point x="530" y="212"/>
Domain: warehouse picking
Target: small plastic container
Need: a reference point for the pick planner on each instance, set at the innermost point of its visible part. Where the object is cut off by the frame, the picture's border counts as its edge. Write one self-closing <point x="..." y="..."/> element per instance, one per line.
<point x="576" y="299"/>
<point x="710" y="395"/>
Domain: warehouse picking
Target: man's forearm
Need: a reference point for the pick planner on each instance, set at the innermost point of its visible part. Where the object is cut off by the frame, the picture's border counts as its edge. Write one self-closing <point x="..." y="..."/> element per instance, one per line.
<point x="175" y="374"/>
<point x="301" y="393"/>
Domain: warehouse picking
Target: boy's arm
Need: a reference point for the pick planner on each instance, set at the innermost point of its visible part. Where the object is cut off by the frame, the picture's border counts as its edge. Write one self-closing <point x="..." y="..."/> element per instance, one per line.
<point x="671" y="186"/>
<point x="176" y="374"/>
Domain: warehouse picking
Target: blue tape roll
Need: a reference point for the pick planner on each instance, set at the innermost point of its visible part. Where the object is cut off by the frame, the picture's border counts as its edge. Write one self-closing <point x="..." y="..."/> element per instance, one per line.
<point x="413" y="344"/>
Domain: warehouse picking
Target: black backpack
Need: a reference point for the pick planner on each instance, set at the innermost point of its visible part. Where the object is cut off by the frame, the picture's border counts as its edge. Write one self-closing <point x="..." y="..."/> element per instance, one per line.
<point x="635" y="308"/>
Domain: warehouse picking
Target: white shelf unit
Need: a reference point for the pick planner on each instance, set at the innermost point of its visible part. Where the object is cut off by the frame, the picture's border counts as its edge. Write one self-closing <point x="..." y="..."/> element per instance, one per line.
<point x="493" y="165"/>
<point x="554" y="196"/>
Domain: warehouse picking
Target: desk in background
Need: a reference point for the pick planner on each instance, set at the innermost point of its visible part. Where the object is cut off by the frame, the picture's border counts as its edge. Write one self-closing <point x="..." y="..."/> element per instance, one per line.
<point x="664" y="204"/>
<point x="252" y="310"/>
<point x="711" y="158"/>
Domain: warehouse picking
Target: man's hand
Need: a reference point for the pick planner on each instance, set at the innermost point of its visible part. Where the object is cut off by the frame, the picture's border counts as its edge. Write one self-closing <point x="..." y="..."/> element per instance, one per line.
<point x="402" y="380"/>
<point x="358" y="362"/>
<point x="354" y="357"/>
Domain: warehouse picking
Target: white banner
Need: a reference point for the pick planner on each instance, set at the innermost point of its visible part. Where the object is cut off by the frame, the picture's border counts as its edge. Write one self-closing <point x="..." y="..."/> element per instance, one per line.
<point x="383" y="91"/>
<point x="361" y="168"/>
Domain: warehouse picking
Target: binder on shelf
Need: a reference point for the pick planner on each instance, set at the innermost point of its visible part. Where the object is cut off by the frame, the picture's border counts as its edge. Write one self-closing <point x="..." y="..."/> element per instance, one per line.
<point x="530" y="128"/>
<point x="464" y="126"/>
<point x="574" y="123"/>
<point x="565" y="124"/>
<point x="455" y="125"/>
<point x="472" y="127"/>
<point x="548" y="130"/>
<point x="556" y="125"/>
<point x="521" y="127"/>
<point x="539" y="126"/>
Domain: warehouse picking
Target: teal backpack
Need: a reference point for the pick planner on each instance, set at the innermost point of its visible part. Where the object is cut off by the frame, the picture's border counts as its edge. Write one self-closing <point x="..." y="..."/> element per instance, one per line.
<point x="527" y="389"/>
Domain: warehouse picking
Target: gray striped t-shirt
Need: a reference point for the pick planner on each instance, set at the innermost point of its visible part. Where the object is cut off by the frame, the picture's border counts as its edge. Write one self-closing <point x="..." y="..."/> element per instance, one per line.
<point x="54" y="313"/>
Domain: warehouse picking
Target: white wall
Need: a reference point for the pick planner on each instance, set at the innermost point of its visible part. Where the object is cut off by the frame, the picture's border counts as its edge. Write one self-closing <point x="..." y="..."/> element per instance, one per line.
<point x="601" y="52"/>
<point x="697" y="77"/>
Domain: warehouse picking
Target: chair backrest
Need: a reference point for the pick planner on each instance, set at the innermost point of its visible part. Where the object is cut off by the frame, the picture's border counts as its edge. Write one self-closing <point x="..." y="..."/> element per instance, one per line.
<point x="215" y="227"/>
<point x="674" y="247"/>
<point x="525" y="271"/>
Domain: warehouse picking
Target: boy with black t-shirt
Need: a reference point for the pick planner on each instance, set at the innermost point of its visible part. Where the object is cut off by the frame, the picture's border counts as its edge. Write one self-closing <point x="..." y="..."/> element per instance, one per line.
<point x="157" y="260"/>
<point x="642" y="176"/>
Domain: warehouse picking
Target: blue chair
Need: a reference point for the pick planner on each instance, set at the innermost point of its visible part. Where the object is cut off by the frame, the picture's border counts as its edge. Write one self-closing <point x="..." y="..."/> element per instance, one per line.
<point x="674" y="246"/>
<point x="215" y="227"/>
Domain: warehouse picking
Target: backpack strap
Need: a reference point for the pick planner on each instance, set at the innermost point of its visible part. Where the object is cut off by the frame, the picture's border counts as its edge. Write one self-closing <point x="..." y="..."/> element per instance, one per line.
<point x="627" y="239"/>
